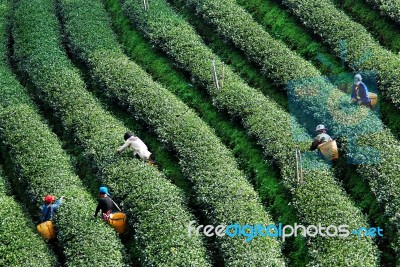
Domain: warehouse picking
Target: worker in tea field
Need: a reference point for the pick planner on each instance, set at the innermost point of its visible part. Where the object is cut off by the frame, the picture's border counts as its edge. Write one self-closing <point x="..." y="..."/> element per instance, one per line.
<point x="321" y="137"/>
<point x="327" y="147"/>
<point x="105" y="204"/>
<point x="359" y="92"/>
<point x="138" y="146"/>
<point x="50" y="206"/>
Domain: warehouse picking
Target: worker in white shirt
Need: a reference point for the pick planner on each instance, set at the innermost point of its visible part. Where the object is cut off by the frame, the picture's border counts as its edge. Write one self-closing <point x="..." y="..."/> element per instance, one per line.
<point x="138" y="146"/>
<point x="321" y="138"/>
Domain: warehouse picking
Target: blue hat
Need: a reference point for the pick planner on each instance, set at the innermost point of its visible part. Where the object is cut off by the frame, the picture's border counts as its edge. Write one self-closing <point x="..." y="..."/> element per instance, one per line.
<point x="103" y="190"/>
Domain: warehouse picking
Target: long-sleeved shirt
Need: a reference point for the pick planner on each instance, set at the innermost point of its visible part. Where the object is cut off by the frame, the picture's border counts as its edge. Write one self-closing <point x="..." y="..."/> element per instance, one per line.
<point x="360" y="92"/>
<point x="105" y="204"/>
<point x="49" y="209"/>
<point x="138" y="146"/>
<point x="320" y="139"/>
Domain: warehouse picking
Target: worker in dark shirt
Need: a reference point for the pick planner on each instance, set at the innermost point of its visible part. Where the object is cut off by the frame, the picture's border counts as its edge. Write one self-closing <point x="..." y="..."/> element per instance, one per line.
<point x="359" y="92"/>
<point x="105" y="204"/>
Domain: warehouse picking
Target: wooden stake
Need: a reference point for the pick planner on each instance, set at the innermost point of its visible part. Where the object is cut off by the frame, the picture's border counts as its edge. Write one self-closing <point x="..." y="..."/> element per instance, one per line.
<point x="215" y="77"/>
<point x="146" y="5"/>
<point x="301" y="167"/>
<point x="297" y="166"/>
<point x="223" y="75"/>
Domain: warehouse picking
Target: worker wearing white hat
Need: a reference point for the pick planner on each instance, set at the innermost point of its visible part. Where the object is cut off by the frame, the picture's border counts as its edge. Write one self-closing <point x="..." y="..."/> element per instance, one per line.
<point x="321" y="138"/>
<point x="359" y="92"/>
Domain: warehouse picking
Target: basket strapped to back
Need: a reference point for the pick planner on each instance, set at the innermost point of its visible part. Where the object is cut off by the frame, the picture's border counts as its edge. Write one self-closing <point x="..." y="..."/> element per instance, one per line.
<point x="118" y="222"/>
<point x="329" y="150"/>
<point x="374" y="99"/>
<point x="46" y="230"/>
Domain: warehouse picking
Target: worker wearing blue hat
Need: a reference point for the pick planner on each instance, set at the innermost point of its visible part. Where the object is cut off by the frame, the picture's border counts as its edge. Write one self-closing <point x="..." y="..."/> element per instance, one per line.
<point x="105" y="204"/>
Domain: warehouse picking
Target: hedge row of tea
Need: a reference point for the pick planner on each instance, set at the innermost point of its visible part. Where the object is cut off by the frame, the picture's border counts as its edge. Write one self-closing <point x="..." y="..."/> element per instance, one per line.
<point x="144" y="190"/>
<point x="20" y="245"/>
<point x="261" y="116"/>
<point x="382" y="28"/>
<point x="375" y="143"/>
<point x="19" y="242"/>
<point x="383" y="176"/>
<point x="390" y="8"/>
<point x="25" y="136"/>
<point x="205" y="161"/>
<point x="344" y="36"/>
<point x="284" y="26"/>
<point x="248" y="154"/>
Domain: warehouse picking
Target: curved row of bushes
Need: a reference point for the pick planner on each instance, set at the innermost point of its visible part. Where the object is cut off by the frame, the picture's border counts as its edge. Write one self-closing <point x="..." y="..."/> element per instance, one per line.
<point x="261" y="116"/>
<point x="390" y="8"/>
<point x="317" y="98"/>
<point x="155" y="207"/>
<point x="276" y="22"/>
<point x="220" y="189"/>
<point x="382" y="28"/>
<point x="248" y="154"/>
<point x="282" y="25"/>
<point x="20" y="245"/>
<point x="336" y="28"/>
<point x="25" y="137"/>
<point x="229" y="54"/>
<point x="40" y="167"/>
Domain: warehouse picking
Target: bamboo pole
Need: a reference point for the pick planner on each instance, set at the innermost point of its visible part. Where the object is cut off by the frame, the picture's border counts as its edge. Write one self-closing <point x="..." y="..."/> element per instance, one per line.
<point x="215" y="77"/>
<point x="297" y="166"/>
<point x="223" y="75"/>
<point x="301" y="167"/>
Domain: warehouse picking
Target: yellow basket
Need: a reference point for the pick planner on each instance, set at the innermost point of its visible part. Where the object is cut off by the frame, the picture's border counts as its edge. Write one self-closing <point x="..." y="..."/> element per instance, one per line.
<point x="118" y="222"/>
<point x="46" y="230"/>
<point x="329" y="150"/>
<point x="374" y="99"/>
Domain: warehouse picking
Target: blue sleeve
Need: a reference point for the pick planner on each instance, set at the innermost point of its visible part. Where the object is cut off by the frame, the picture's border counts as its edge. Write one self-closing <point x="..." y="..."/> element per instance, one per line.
<point x="57" y="205"/>
<point x="353" y="92"/>
<point x="366" y="89"/>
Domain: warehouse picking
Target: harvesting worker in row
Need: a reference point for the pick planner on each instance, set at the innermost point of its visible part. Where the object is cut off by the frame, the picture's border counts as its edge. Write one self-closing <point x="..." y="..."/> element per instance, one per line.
<point x="50" y="206"/>
<point x="359" y="92"/>
<point x="116" y="219"/>
<point x="138" y="146"/>
<point x="105" y="204"/>
<point x="322" y="137"/>
<point x="327" y="147"/>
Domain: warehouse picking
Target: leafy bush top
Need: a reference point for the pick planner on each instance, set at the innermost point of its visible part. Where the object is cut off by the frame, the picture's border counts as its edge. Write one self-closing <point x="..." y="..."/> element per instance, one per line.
<point x="388" y="7"/>
<point x="155" y="207"/>
<point x="261" y="116"/>
<point x="20" y="245"/>
<point x="220" y="189"/>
